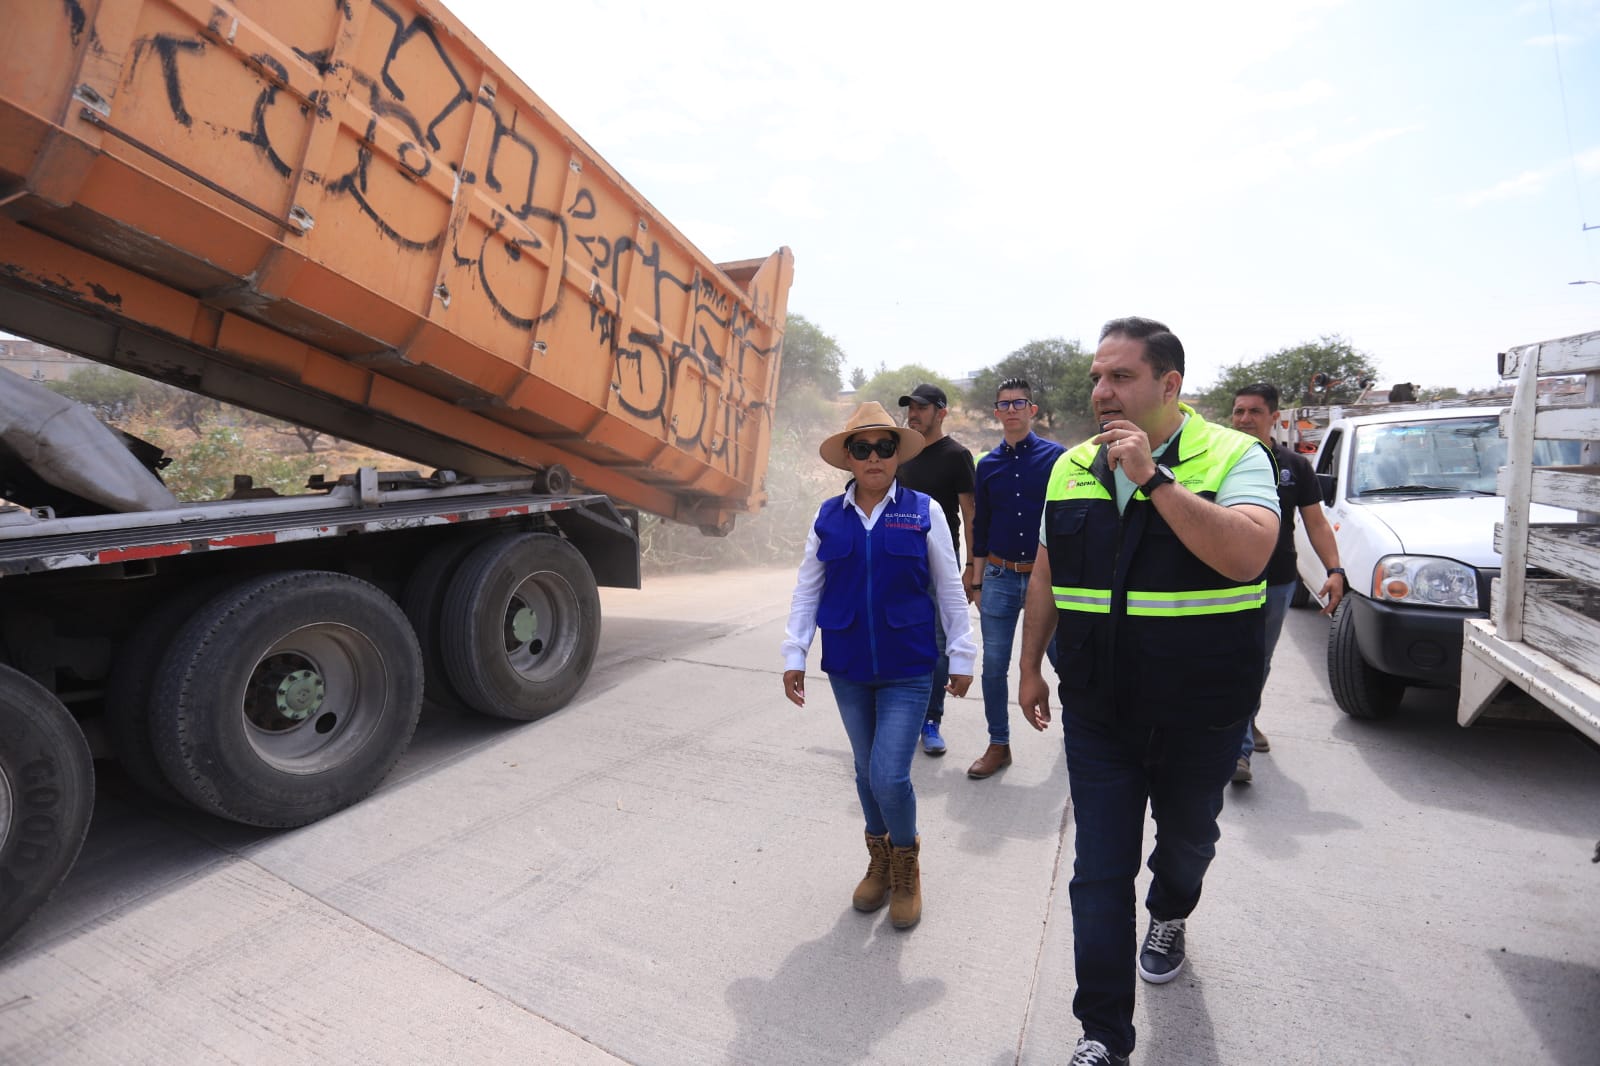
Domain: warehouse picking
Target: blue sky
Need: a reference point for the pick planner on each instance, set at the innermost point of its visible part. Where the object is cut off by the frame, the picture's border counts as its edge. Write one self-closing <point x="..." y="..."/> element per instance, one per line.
<point x="956" y="180"/>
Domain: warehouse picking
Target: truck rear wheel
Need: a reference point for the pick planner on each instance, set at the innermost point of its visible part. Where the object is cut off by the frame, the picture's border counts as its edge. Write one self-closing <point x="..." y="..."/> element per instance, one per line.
<point x="1301" y="595"/>
<point x="520" y="626"/>
<point x="132" y="683"/>
<point x="423" y="603"/>
<point x="1360" y="690"/>
<point x="287" y="697"/>
<point x="46" y="797"/>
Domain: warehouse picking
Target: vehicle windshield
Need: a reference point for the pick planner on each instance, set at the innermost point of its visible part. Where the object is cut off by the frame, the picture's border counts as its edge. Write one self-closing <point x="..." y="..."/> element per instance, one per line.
<point x="1458" y="455"/>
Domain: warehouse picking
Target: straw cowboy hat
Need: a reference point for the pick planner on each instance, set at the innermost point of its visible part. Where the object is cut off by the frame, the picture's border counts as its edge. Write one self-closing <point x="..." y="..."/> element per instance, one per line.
<point x="869" y="415"/>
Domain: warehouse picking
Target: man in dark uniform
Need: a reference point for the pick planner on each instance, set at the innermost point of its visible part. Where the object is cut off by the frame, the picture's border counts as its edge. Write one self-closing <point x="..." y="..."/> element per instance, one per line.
<point x="943" y="470"/>
<point x="1255" y="409"/>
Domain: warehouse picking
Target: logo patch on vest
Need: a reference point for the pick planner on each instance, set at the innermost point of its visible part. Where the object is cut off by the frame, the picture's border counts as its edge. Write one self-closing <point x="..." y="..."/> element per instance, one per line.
<point x="911" y="520"/>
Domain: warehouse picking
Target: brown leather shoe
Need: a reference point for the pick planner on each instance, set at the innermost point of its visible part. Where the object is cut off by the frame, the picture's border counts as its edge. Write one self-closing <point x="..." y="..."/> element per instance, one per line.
<point x="1259" y="739"/>
<point x="994" y="757"/>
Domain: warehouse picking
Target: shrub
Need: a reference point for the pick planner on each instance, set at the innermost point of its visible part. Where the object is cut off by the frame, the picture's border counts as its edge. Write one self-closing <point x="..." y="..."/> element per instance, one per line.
<point x="204" y="469"/>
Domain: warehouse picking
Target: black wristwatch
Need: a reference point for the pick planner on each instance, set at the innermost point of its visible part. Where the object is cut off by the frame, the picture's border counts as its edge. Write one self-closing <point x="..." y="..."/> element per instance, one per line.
<point x="1162" y="476"/>
<point x="1340" y="571"/>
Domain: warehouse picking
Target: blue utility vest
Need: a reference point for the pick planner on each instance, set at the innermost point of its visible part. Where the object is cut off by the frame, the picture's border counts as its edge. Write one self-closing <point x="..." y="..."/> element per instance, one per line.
<point x="875" y="612"/>
<point x="1146" y="633"/>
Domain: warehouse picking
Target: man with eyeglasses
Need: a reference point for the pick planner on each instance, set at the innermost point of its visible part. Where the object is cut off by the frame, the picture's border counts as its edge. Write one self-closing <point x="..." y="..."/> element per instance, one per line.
<point x="1008" y="491"/>
<point x="943" y="470"/>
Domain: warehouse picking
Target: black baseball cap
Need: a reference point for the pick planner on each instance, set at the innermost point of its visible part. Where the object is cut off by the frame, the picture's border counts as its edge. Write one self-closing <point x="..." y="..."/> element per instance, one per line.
<point x="926" y="394"/>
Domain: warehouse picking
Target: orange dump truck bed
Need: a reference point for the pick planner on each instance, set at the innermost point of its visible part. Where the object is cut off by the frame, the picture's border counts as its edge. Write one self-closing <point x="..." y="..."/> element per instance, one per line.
<point x="353" y="216"/>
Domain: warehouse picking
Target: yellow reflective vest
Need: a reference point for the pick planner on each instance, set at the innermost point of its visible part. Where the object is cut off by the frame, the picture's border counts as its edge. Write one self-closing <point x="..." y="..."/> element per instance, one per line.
<point x="1147" y="633"/>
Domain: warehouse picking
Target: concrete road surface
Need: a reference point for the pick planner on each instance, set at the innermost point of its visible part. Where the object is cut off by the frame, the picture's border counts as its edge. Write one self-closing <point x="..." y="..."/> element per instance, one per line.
<point x="661" y="874"/>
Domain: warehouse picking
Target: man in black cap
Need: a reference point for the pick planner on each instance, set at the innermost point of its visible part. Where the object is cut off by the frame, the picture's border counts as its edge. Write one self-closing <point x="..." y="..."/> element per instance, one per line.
<point x="943" y="470"/>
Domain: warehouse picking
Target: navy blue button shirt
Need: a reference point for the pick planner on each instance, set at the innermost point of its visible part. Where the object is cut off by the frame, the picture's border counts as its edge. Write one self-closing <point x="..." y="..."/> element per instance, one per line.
<point x="1010" y="487"/>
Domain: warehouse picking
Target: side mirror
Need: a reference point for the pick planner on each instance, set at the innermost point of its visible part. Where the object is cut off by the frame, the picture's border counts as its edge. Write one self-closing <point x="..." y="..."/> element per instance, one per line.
<point x="1330" y="485"/>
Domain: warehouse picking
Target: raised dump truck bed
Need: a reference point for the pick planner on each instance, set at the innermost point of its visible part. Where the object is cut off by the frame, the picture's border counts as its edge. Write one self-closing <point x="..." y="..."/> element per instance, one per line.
<point x="354" y="217"/>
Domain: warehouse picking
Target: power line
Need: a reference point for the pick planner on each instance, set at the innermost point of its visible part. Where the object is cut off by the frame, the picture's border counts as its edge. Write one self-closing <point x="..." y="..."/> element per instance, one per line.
<point x="1566" y="119"/>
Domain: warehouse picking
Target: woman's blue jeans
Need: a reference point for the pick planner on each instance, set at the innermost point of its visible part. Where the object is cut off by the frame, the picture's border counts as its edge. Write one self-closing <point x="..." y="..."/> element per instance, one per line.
<point x="1113" y="770"/>
<point x="883" y="720"/>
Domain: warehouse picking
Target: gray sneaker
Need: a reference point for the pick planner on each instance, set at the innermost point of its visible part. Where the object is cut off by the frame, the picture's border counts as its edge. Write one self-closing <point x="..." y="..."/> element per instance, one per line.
<point x="1162" y="956"/>
<point x="1093" y="1053"/>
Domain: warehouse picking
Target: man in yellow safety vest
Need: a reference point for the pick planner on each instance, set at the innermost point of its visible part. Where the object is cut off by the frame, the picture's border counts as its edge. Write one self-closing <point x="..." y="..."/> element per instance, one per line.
<point x="1153" y="543"/>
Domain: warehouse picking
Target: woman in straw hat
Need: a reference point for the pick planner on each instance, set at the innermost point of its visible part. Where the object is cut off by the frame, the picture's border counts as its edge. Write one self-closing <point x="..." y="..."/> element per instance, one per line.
<point x="878" y="563"/>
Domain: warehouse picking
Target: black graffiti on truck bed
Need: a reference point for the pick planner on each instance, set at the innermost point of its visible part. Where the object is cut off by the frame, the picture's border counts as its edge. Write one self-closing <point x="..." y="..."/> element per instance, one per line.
<point x="694" y="386"/>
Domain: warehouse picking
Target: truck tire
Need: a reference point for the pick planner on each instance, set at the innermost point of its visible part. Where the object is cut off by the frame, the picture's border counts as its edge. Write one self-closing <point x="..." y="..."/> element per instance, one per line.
<point x="132" y="683"/>
<point x="1360" y="690"/>
<point x="46" y="797"/>
<point x="520" y="626"/>
<point x="423" y="603"/>
<point x="1301" y="595"/>
<point x="287" y="697"/>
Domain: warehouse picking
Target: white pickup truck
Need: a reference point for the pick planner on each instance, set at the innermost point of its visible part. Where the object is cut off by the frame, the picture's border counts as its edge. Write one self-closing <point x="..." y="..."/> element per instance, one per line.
<point x="1411" y="498"/>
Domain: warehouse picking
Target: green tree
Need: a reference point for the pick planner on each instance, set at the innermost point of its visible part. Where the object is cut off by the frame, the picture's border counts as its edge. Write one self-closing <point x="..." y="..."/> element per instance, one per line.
<point x="887" y="386"/>
<point x="1292" y="370"/>
<point x="1057" y="370"/>
<point x="109" y="391"/>
<point x="810" y="356"/>
<point x="808" y="381"/>
<point x="858" y="378"/>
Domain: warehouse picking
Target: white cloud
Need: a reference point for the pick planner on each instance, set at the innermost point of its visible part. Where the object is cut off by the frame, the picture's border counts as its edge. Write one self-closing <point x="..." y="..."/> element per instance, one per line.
<point x="794" y="195"/>
<point x="722" y="242"/>
<point x="1303" y="95"/>
<point x="1528" y="183"/>
<point x="1345" y="151"/>
<point x="682" y="172"/>
<point x="1549" y="39"/>
<point x="1533" y="182"/>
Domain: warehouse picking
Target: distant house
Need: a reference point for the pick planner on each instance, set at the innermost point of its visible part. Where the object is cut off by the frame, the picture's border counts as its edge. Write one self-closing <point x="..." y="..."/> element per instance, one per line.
<point x="36" y="361"/>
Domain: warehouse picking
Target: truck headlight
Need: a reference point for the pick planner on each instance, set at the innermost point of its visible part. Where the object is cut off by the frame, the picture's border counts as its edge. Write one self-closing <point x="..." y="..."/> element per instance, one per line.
<point x="1425" y="581"/>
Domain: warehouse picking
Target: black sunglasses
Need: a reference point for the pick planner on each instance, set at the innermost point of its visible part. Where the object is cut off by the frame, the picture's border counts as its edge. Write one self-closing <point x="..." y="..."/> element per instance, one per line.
<point x="861" y="449"/>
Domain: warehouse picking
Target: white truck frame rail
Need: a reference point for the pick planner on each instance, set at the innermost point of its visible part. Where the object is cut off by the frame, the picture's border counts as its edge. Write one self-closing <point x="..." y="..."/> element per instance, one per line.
<point x="1543" y="633"/>
<point x="365" y="502"/>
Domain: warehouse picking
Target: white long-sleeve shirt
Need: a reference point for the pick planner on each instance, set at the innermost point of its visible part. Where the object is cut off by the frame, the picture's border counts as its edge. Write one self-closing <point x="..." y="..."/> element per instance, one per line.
<point x="942" y="567"/>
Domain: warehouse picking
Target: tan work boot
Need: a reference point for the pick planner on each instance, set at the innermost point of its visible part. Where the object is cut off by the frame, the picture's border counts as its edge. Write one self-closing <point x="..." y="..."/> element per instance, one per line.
<point x="905" y="879"/>
<point x="994" y="757"/>
<point x="873" y="891"/>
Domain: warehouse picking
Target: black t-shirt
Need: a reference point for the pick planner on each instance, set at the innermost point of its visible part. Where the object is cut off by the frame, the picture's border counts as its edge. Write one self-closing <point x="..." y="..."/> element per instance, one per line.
<point x="944" y="471"/>
<point x="1297" y="487"/>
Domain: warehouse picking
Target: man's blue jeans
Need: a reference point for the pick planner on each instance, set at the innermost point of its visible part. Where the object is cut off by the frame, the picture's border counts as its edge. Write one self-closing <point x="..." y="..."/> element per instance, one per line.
<point x="1004" y="592"/>
<point x="883" y="720"/>
<point x="1113" y="770"/>
<point x="1278" y="597"/>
